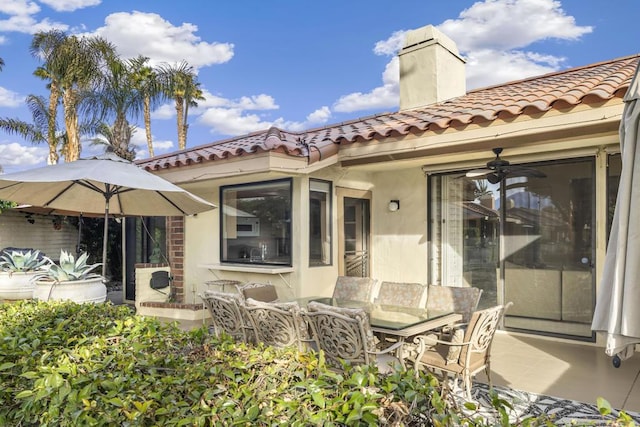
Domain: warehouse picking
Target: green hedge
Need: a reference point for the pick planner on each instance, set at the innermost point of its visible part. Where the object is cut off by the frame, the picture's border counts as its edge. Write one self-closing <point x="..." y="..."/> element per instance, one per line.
<point x="64" y="364"/>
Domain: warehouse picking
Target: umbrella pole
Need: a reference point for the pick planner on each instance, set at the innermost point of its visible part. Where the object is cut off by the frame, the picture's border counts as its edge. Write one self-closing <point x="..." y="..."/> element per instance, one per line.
<point x="104" y="239"/>
<point x="79" y="235"/>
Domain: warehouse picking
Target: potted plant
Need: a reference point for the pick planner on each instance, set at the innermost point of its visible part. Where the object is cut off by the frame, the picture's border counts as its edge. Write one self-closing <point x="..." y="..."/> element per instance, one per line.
<point x="18" y="269"/>
<point x="71" y="279"/>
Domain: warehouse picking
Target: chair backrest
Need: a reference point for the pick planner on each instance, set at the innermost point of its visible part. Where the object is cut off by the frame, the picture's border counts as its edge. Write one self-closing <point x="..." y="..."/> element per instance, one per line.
<point x="354" y="288"/>
<point x="264" y="292"/>
<point x="402" y="294"/>
<point x="278" y="324"/>
<point x="344" y="334"/>
<point x="227" y="314"/>
<point x="463" y="300"/>
<point x="479" y="333"/>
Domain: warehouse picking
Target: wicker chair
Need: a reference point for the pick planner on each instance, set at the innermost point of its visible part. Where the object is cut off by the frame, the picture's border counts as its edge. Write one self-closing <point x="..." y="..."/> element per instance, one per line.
<point x="345" y="336"/>
<point x="463" y="300"/>
<point x="402" y="294"/>
<point x="264" y="292"/>
<point x="278" y="324"/>
<point x="465" y="352"/>
<point x="354" y="288"/>
<point x="227" y="314"/>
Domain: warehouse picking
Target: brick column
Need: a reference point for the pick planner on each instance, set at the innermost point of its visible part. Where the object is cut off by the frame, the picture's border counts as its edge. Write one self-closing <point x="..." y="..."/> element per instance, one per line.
<point x="175" y="252"/>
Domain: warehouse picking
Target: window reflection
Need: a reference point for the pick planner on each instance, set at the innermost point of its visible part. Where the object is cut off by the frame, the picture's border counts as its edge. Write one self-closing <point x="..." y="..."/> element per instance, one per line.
<point x="256" y="223"/>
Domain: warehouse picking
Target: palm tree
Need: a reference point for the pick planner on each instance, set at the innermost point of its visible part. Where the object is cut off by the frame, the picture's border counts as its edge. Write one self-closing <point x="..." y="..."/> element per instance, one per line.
<point x="145" y="81"/>
<point x="116" y="97"/>
<point x="109" y="137"/>
<point x="72" y="65"/>
<point x="180" y="83"/>
<point x="39" y="130"/>
<point x="43" y="46"/>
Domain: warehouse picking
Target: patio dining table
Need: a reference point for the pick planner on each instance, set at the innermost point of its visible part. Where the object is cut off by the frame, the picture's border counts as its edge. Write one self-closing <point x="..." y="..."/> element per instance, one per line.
<point x="394" y="321"/>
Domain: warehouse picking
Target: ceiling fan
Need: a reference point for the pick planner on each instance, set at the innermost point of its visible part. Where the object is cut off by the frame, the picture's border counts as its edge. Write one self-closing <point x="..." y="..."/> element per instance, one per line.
<point x="498" y="169"/>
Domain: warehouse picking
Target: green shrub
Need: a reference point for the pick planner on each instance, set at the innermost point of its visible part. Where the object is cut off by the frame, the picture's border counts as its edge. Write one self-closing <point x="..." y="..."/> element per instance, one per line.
<point x="67" y="364"/>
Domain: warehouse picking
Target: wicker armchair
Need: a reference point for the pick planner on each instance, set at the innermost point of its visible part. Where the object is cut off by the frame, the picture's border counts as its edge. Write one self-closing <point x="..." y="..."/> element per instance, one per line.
<point x="278" y="324"/>
<point x="344" y="335"/>
<point x="465" y="352"/>
<point x="227" y="314"/>
<point x="463" y="300"/>
<point x="354" y="288"/>
<point x="264" y="292"/>
<point x="402" y="294"/>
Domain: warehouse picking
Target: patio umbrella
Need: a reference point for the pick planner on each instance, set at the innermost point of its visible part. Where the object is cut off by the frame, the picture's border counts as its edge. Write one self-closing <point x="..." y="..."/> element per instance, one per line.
<point x="616" y="312"/>
<point x="105" y="184"/>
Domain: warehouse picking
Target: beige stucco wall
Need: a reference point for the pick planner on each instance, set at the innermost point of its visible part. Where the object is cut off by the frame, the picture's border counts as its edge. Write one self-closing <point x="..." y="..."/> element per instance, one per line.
<point x="400" y="245"/>
<point x="17" y="232"/>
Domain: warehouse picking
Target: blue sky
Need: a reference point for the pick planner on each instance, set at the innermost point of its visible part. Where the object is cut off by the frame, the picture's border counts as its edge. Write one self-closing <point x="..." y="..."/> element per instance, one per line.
<point x="303" y="64"/>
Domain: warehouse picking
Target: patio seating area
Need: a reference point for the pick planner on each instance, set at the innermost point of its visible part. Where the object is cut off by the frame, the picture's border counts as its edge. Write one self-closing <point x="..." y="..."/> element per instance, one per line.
<point x="540" y="373"/>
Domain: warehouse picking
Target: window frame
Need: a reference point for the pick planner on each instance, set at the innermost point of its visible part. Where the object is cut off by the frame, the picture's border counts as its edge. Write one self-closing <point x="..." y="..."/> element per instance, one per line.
<point x="329" y="231"/>
<point x="288" y="231"/>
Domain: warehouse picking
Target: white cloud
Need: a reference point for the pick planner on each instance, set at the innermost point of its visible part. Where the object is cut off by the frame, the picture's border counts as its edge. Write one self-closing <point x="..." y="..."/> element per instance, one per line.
<point x="27" y="24"/>
<point x="14" y="155"/>
<point x="164" y="112"/>
<point x="10" y="99"/>
<point x="139" y="141"/>
<point x="488" y="67"/>
<point x="257" y="102"/>
<point x="390" y="46"/>
<point x="148" y="34"/>
<point x="320" y="116"/>
<point x="21" y="18"/>
<point x="19" y="7"/>
<point x="69" y="5"/>
<point x="490" y="35"/>
<point x="232" y="121"/>
<point x="511" y="24"/>
<point x="385" y="96"/>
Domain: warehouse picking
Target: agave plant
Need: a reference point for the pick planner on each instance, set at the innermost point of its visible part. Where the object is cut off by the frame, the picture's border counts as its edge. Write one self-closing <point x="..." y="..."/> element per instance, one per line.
<point x="70" y="269"/>
<point x="20" y="261"/>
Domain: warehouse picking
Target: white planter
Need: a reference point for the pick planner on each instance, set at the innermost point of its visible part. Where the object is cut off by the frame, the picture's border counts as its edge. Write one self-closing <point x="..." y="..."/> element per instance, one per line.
<point x="17" y="285"/>
<point x="80" y="291"/>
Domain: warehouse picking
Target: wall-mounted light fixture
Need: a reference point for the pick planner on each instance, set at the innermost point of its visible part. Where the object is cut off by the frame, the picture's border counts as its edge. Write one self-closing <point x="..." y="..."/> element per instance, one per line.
<point x="394" y="205"/>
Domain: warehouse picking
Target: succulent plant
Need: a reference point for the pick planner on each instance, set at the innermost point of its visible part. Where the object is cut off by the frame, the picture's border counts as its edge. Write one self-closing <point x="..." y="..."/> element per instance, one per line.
<point x="20" y="261"/>
<point x="70" y="269"/>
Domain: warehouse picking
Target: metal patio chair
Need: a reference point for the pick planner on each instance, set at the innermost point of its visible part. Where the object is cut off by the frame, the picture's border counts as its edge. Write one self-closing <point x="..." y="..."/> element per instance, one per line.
<point x="465" y="352"/>
<point x="344" y="335"/>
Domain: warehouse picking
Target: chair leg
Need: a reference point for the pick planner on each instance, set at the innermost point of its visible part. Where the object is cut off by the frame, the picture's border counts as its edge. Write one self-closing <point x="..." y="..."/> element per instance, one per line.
<point x="467" y="385"/>
<point x="487" y="370"/>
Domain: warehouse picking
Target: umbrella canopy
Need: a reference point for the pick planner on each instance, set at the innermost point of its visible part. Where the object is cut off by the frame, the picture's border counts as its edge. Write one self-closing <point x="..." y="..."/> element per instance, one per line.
<point x="105" y="184"/>
<point x="616" y="312"/>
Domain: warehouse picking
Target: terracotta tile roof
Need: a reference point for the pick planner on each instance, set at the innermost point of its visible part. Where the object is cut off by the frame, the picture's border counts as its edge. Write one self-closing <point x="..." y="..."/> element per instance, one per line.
<point x="583" y="85"/>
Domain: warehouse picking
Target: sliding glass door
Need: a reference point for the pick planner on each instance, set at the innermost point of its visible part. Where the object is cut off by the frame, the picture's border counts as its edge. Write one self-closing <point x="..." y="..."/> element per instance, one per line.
<point x="535" y="249"/>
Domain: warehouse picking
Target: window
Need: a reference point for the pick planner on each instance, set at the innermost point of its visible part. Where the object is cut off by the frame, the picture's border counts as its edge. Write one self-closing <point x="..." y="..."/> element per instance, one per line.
<point x="545" y="264"/>
<point x="319" y="223"/>
<point x="256" y="223"/>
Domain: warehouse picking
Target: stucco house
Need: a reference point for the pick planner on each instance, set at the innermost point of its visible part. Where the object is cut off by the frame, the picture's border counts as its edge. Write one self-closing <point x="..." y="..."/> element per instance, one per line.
<point x="388" y="195"/>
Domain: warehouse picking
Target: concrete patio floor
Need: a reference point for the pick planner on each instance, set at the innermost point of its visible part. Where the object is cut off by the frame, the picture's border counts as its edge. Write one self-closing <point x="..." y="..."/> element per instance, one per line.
<point x="569" y="370"/>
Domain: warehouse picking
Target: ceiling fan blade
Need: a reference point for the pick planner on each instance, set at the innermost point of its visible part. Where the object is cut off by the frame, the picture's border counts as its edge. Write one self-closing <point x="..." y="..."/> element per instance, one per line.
<point x="474" y="173"/>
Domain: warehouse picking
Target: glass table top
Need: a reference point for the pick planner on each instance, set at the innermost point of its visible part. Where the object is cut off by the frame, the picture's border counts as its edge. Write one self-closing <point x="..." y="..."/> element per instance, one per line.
<point x="383" y="316"/>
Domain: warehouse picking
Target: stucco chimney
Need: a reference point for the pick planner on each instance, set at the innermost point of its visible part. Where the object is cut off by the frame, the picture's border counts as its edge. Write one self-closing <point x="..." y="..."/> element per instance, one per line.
<point x="431" y="69"/>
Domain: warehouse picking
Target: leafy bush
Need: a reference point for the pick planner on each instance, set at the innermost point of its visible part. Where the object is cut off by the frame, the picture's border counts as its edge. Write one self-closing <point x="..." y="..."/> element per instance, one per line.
<point x="67" y="364"/>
